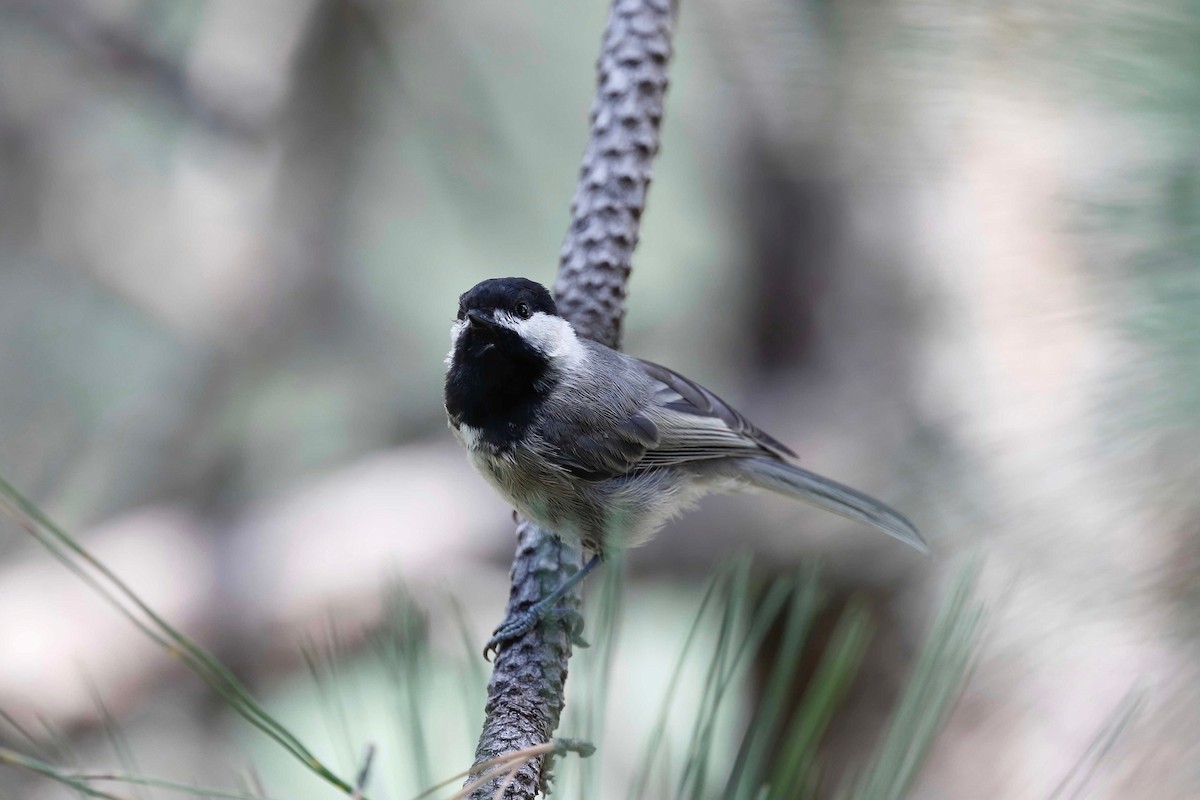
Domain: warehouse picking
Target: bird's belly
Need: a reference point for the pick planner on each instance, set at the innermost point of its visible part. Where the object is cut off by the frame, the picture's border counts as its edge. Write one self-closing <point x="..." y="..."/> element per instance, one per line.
<point x="604" y="515"/>
<point x="583" y="513"/>
<point x="539" y="494"/>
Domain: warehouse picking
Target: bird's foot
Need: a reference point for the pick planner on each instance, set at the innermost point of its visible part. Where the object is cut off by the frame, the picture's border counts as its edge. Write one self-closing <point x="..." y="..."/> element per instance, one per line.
<point x="509" y="631"/>
<point x="522" y="622"/>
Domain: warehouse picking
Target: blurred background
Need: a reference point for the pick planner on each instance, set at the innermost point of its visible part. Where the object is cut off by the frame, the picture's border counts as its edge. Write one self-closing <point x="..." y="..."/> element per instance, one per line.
<point x="948" y="251"/>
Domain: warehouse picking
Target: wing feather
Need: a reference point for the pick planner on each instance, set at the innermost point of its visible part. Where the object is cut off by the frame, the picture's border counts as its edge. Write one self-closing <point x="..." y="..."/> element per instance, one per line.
<point x="650" y="416"/>
<point x="682" y="395"/>
<point x="605" y="453"/>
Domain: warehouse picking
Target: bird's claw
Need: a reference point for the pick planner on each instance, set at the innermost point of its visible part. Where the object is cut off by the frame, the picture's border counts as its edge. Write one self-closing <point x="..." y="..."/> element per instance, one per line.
<point x="523" y="622"/>
<point x="509" y="631"/>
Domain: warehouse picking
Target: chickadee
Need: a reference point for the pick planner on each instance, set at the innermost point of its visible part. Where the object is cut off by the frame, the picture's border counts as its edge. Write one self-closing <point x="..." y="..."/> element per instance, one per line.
<point x="600" y="447"/>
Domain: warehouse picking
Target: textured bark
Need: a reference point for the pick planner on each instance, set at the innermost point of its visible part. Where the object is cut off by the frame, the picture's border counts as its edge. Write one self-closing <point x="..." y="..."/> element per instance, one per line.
<point x="598" y="249"/>
<point x="525" y="694"/>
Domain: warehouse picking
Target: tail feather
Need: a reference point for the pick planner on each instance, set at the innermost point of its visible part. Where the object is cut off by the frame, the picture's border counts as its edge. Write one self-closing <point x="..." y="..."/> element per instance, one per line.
<point x="809" y="487"/>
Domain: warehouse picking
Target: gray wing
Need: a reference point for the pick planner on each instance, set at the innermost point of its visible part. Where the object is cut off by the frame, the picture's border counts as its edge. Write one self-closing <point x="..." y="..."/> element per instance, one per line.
<point x="703" y="422"/>
<point x="648" y="416"/>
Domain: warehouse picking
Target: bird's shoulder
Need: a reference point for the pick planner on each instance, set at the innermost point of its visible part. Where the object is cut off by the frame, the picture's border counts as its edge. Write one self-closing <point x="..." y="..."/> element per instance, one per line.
<point x="595" y="419"/>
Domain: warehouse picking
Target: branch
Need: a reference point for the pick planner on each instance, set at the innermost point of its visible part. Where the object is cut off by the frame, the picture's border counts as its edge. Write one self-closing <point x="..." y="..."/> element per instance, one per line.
<point x="598" y="249"/>
<point x="525" y="694"/>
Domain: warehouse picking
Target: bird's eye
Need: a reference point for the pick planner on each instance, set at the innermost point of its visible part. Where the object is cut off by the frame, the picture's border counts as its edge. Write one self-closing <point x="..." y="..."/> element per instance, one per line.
<point x="462" y="311"/>
<point x="523" y="310"/>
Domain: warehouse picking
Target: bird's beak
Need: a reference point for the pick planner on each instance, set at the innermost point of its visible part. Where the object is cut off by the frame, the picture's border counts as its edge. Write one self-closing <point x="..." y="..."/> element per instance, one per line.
<point x="481" y="321"/>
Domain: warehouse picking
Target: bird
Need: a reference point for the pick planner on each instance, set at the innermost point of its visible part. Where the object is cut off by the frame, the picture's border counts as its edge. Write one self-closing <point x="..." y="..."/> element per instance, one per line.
<point x="602" y="448"/>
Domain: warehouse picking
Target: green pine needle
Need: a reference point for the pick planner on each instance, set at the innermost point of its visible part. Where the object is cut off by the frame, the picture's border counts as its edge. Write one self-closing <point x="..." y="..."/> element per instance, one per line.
<point x="114" y="591"/>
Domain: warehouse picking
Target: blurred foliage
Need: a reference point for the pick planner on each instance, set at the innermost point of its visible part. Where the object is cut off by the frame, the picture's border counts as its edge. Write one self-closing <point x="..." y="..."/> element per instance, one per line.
<point x="112" y="590"/>
<point x="1141" y="60"/>
<point x="450" y="156"/>
<point x="396" y="692"/>
<point x="1168" y="305"/>
<point x="395" y="153"/>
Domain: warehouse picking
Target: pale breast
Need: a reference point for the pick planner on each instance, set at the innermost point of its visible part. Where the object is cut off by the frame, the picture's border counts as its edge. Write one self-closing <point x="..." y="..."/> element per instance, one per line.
<point x="605" y="515"/>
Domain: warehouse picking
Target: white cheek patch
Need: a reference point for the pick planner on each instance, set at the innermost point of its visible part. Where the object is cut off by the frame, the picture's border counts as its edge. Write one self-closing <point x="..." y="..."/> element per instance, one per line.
<point x="553" y="336"/>
<point x="470" y="436"/>
<point x="549" y="334"/>
<point x="456" y="331"/>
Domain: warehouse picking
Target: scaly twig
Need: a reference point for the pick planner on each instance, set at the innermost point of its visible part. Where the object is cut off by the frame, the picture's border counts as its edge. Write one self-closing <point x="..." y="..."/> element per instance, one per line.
<point x="525" y="694"/>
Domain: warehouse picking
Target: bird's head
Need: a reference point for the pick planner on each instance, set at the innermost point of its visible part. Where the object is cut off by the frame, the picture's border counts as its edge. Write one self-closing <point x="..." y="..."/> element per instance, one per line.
<point x="510" y="318"/>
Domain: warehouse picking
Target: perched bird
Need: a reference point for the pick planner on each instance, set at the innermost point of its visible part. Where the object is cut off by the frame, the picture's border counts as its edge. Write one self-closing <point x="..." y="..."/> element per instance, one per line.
<point x="600" y="447"/>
